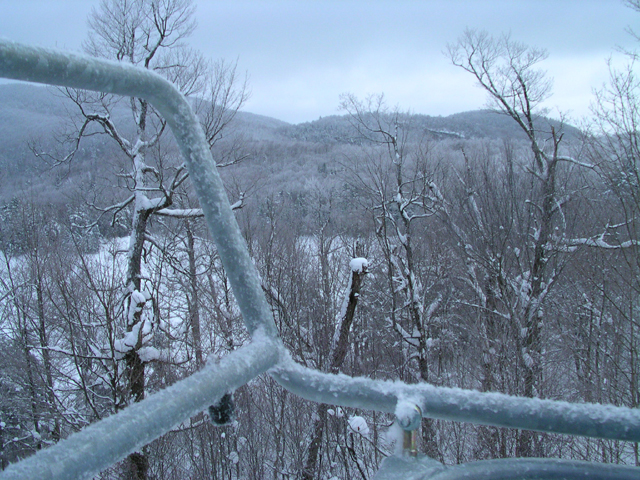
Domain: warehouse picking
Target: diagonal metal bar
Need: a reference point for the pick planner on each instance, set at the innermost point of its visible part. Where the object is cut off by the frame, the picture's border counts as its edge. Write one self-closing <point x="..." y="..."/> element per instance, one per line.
<point x="100" y="445"/>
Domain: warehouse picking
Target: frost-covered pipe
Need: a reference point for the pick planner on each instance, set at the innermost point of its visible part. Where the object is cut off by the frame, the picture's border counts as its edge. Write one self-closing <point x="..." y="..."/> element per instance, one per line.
<point x="40" y="65"/>
<point x="98" y="446"/>
<point x="496" y="409"/>
<point x="423" y="468"/>
<point x="536" y="469"/>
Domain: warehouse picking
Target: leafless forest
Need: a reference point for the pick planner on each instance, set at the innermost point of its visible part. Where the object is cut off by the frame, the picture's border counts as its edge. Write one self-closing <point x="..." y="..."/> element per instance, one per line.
<point x="501" y="255"/>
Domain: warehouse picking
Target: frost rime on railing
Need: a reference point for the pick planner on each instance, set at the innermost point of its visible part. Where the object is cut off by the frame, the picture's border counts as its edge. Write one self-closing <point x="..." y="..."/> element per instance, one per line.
<point x="98" y="446"/>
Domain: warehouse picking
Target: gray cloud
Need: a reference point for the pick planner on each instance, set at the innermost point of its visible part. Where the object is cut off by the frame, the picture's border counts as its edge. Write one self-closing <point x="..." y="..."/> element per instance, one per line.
<point x="301" y="55"/>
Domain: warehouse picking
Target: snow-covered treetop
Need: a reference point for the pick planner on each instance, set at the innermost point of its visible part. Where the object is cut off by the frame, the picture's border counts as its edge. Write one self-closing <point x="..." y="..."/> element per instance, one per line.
<point x="359" y="265"/>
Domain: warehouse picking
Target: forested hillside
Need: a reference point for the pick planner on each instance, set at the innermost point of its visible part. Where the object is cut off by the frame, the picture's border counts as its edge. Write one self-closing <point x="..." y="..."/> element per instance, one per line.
<point x="495" y="250"/>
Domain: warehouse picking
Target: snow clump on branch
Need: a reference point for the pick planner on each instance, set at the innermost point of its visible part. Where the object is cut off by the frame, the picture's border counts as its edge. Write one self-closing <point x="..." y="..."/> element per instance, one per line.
<point x="359" y="265"/>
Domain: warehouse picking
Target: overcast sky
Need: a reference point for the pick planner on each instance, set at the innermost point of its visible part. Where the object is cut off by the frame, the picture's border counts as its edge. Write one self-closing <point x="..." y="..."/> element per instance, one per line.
<point x="300" y="55"/>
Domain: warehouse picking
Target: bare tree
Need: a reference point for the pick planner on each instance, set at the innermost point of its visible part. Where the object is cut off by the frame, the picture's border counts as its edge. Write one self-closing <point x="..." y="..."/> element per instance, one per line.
<point x="507" y="71"/>
<point x="27" y="284"/>
<point x="395" y="177"/>
<point x="338" y="354"/>
<point x="615" y="149"/>
<point x="150" y="34"/>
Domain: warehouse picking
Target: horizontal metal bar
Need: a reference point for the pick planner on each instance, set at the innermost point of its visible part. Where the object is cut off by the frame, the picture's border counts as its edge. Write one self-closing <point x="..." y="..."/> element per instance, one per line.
<point x="537" y="468"/>
<point x="423" y="468"/>
<point x="496" y="409"/>
<point x="86" y="453"/>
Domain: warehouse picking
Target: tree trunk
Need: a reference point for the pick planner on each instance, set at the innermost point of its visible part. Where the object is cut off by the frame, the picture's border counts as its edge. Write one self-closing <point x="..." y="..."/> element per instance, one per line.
<point x="46" y="360"/>
<point x="194" y="304"/>
<point x="339" y="354"/>
<point x="137" y="464"/>
<point x="529" y="443"/>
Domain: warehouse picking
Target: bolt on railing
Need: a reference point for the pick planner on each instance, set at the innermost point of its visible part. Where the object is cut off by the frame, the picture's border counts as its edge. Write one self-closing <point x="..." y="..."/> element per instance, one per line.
<point x="87" y="452"/>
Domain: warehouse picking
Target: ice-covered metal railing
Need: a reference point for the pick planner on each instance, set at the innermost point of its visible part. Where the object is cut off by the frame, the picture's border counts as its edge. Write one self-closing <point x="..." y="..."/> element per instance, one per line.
<point x="402" y="468"/>
<point x="106" y="442"/>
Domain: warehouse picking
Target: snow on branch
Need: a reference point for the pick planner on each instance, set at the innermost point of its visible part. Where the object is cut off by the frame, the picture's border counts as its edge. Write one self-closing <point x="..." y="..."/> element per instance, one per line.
<point x="180" y="212"/>
<point x="359" y="265"/>
<point x="406" y="336"/>
<point x="194" y="212"/>
<point x="568" y="159"/>
<point x="597" y="242"/>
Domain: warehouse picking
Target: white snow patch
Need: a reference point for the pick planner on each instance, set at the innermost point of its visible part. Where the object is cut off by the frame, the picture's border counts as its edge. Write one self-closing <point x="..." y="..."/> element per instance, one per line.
<point x="528" y="361"/>
<point x="149" y="354"/>
<point x="359" y="425"/>
<point x="394" y="438"/>
<point x="129" y="341"/>
<point x="359" y="265"/>
<point x="338" y="412"/>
